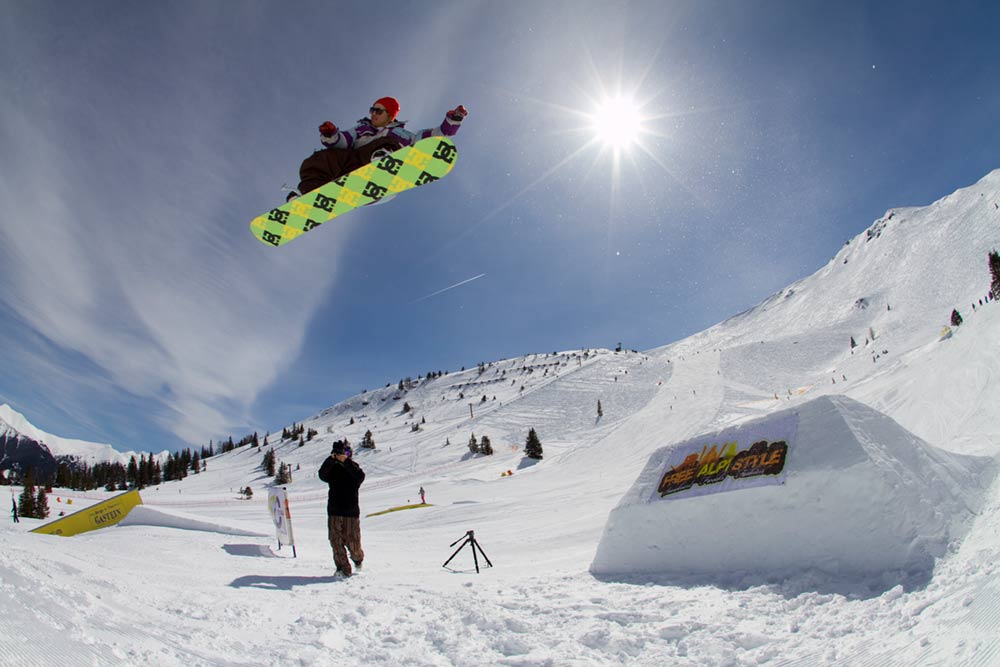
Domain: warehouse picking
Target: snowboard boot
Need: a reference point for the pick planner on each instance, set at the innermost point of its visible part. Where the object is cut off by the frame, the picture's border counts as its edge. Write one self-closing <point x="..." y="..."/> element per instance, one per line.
<point x="292" y="194"/>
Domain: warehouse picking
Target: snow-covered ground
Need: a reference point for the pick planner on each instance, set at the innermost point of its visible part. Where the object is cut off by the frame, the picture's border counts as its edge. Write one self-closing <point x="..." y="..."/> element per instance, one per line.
<point x="186" y="581"/>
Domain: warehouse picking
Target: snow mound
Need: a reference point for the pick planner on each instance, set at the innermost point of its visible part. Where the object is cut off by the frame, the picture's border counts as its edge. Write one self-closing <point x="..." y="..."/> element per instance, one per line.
<point x="858" y="494"/>
<point x="144" y="515"/>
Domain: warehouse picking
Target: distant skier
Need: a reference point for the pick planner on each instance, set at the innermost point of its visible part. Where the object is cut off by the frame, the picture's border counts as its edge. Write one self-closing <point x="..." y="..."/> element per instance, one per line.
<point x="13" y="510"/>
<point x="423" y="501"/>
<point x="375" y="136"/>
<point x="343" y="510"/>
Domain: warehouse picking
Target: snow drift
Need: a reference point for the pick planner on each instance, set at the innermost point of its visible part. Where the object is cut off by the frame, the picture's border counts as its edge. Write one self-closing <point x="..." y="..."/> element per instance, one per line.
<point x="857" y="495"/>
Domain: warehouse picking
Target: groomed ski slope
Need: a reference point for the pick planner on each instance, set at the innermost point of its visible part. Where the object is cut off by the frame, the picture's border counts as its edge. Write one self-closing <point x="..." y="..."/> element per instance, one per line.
<point x="142" y="594"/>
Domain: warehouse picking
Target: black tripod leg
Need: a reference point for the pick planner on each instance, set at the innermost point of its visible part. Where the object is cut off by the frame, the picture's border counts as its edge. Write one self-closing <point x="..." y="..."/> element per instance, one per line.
<point x="474" y="558"/>
<point x="456" y="552"/>
<point x="475" y="545"/>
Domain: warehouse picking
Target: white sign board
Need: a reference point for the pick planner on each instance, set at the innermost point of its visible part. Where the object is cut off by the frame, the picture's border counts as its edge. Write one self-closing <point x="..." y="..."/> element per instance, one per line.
<point x="277" y="504"/>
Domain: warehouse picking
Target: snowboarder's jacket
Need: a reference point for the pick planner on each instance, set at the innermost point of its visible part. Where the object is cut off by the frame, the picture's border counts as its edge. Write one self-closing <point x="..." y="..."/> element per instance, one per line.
<point x="365" y="133"/>
<point x="344" y="478"/>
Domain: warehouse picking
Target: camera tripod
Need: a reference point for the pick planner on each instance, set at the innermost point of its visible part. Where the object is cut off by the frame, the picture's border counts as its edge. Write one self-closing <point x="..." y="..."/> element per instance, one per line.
<point x="470" y="538"/>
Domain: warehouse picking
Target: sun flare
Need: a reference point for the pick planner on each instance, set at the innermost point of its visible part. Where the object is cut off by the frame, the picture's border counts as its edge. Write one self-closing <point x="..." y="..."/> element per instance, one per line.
<point x="617" y="122"/>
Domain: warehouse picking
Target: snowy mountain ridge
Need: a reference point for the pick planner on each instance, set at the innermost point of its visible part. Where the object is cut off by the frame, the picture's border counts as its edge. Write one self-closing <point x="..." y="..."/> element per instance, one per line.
<point x="15" y="424"/>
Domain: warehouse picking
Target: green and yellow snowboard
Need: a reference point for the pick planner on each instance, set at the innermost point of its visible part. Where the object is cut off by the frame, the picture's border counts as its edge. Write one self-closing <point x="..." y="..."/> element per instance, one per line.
<point x="424" y="162"/>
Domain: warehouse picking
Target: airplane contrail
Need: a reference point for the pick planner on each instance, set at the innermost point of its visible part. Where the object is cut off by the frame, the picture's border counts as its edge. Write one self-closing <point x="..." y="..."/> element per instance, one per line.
<point x="441" y="291"/>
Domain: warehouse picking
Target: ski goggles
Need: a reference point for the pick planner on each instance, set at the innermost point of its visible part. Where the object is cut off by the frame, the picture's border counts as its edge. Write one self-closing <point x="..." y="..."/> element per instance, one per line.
<point x="375" y="110"/>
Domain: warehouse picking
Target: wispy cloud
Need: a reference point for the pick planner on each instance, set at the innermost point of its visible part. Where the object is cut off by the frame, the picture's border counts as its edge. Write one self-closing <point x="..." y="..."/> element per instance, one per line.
<point x="135" y="255"/>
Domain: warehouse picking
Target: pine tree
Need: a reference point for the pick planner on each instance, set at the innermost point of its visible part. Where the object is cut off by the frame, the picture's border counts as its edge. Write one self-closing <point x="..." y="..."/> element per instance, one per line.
<point x="995" y="273"/>
<point x="600" y="410"/>
<point x="132" y="473"/>
<point x="956" y="318"/>
<point x="368" y="442"/>
<point x="144" y="471"/>
<point x="485" y="446"/>
<point x="284" y="475"/>
<point x="41" y="504"/>
<point x="268" y="462"/>
<point x="533" y="446"/>
<point x="473" y="444"/>
<point x="26" y="503"/>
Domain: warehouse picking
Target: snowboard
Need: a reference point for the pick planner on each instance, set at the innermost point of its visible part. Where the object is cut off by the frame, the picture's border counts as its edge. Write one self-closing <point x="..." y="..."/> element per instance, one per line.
<point x="410" y="167"/>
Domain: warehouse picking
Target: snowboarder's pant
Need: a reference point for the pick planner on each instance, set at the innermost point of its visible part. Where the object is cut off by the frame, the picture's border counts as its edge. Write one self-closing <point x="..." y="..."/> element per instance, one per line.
<point x="345" y="535"/>
<point x="324" y="166"/>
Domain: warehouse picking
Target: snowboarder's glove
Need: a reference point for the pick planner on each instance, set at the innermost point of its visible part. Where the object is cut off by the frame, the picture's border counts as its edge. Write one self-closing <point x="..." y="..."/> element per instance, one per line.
<point x="328" y="129"/>
<point x="457" y="114"/>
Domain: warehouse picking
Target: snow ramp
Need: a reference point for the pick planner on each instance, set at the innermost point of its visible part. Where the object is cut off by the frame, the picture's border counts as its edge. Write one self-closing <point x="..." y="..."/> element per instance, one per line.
<point x="831" y="485"/>
<point x="149" y="516"/>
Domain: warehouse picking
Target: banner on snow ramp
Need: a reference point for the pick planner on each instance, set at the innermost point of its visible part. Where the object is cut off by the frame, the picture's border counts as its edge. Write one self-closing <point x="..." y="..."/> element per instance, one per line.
<point x="277" y="503"/>
<point x="743" y="457"/>
<point x="101" y="515"/>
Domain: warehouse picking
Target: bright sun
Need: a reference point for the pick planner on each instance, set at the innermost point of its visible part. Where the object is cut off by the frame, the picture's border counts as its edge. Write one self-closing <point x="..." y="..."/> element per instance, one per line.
<point x="617" y="122"/>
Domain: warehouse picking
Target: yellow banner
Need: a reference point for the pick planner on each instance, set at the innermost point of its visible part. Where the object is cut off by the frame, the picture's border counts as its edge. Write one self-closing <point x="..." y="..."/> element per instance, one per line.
<point x="101" y="515"/>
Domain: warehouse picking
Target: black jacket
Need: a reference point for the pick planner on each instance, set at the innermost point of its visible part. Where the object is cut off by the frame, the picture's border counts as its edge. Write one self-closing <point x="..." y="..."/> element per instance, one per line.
<point x="344" y="479"/>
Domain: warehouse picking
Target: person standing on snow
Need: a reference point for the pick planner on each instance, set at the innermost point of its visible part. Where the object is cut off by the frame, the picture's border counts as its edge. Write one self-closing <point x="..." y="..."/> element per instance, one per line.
<point x="13" y="510"/>
<point x="342" y="508"/>
<point x="378" y="135"/>
<point x="422" y="500"/>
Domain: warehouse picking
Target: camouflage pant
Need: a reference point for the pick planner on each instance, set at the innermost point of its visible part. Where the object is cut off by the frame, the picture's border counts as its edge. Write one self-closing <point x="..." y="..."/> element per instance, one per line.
<point x="345" y="535"/>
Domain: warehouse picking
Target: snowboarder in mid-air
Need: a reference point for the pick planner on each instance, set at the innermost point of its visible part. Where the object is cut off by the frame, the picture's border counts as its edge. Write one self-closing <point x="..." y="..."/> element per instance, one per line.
<point x="369" y="140"/>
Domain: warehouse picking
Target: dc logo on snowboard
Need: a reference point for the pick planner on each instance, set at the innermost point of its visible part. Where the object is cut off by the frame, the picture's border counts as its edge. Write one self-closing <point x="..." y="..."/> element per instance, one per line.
<point x="374" y="190"/>
<point x="325" y="203"/>
<point x="446" y="152"/>
<point x="277" y="215"/>
<point x="390" y="164"/>
<point x="425" y="178"/>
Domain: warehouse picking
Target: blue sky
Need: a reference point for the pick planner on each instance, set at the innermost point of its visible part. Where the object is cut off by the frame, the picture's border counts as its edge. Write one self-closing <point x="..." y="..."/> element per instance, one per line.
<point x="139" y="139"/>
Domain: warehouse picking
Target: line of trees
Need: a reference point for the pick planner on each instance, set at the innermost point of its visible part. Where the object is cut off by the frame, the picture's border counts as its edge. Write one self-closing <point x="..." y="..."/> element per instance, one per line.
<point x="994" y="293"/>
<point x="994" y="274"/>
